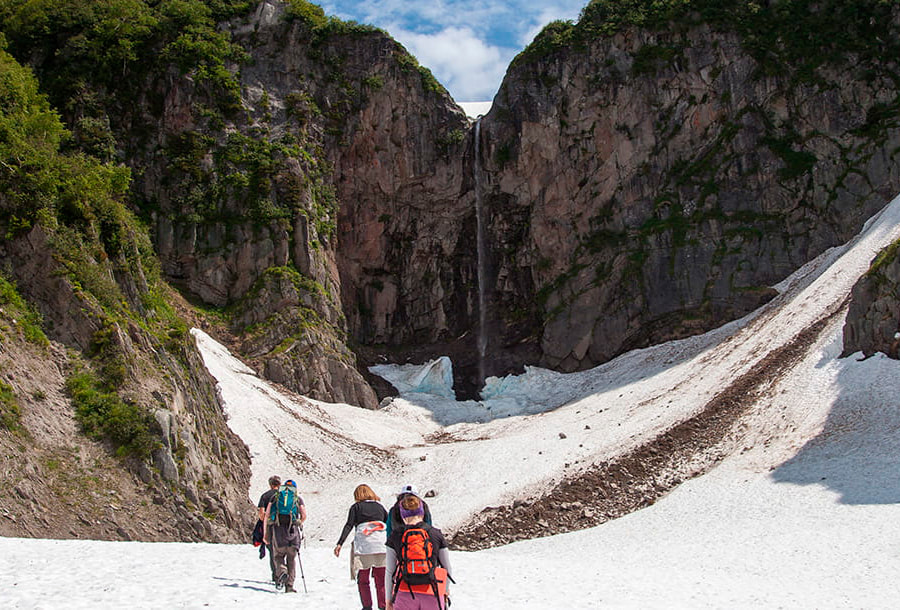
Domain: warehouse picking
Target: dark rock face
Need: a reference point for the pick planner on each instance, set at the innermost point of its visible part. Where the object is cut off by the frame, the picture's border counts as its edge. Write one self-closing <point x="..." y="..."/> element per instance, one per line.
<point x="873" y="319"/>
<point x="626" y="203"/>
<point x="629" y="208"/>
<point x="344" y="165"/>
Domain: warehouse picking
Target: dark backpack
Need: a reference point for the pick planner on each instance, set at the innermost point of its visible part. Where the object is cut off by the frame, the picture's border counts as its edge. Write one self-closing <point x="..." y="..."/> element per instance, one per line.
<point x="416" y="564"/>
<point x="285" y="506"/>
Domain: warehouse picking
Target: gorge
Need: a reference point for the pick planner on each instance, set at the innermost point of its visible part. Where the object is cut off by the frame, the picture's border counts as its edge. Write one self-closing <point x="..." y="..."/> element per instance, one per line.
<point x="301" y="188"/>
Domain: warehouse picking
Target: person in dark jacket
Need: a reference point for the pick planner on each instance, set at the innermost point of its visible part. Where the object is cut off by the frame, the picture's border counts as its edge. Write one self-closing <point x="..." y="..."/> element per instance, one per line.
<point x="395" y="521"/>
<point x="408" y="596"/>
<point x="367" y="519"/>
<point x="264" y="500"/>
<point x="285" y="540"/>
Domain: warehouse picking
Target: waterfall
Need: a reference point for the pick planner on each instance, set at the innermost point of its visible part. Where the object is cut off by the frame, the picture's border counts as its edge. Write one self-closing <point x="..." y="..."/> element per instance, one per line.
<point x="480" y="249"/>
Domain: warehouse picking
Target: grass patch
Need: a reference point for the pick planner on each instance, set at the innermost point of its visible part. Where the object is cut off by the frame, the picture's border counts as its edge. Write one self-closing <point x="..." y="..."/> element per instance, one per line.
<point x="10" y="412"/>
<point x="103" y="415"/>
<point x="28" y="320"/>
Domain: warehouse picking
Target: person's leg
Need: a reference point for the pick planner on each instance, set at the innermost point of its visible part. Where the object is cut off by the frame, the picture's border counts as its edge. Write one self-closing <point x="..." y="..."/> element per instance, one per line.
<point x="272" y="565"/>
<point x="291" y="565"/>
<point x="362" y="583"/>
<point x="379" y="585"/>
<point x="279" y="555"/>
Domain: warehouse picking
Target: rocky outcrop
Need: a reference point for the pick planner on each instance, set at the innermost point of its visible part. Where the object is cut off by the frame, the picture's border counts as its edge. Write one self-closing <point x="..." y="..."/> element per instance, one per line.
<point x="194" y="484"/>
<point x="324" y="171"/>
<point x="645" y="185"/>
<point x="288" y="340"/>
<point x="873" y="319"/>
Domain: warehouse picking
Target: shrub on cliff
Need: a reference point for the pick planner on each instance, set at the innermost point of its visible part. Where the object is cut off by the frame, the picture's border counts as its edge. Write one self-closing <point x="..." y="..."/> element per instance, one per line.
<point x="796" y="36"/>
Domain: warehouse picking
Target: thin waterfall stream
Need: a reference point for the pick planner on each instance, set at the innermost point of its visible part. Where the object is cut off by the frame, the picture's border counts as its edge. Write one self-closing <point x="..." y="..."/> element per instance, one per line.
<point x="481" y="254"/>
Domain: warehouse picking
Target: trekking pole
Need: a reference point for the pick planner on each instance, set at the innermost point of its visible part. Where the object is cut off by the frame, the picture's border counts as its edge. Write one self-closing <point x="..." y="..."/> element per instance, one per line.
<point x="302" y="576"/>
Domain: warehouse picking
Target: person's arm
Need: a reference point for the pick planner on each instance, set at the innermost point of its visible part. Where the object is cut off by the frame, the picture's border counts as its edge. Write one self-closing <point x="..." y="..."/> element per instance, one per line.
<point x="266" y="523"/>
<point x="390" y="569"/>
<point x="302" y="513"/>
<point x="444" y="558"/>
<point x="348" y="527"/>
<point x="390" y="565"/>
<point x="262" y="506"/>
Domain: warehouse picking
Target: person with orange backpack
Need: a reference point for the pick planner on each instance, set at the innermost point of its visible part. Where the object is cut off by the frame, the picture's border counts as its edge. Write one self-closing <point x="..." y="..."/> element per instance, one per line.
<point x="418" y="558"/>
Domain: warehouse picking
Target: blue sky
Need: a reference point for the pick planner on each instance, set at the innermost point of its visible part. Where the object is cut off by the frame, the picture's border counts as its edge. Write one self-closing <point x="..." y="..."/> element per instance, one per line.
<point x="467" y="44"/>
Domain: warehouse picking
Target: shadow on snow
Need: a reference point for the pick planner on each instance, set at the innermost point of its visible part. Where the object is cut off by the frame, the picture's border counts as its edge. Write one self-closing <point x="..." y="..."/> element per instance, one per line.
<point x="857" y="453"/>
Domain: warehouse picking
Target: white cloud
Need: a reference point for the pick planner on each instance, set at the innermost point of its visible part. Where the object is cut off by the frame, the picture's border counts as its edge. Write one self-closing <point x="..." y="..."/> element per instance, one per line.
<point x="467" y="44"/>
<point x="547" y="15"/>
<point x="465" y="64"/>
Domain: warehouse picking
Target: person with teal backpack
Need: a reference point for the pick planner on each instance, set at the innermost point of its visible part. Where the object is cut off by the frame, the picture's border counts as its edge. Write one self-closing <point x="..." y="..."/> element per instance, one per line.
<point x="284" y="530"/>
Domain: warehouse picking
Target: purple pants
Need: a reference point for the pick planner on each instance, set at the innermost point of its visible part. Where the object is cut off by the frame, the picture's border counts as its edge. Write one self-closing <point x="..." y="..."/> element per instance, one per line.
<point x="421" y="601"/>
<point x="365" y="594"/>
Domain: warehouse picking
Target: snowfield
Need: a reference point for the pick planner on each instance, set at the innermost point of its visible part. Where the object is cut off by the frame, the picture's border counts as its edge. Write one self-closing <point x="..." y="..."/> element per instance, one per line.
<point x="801" y="512"/>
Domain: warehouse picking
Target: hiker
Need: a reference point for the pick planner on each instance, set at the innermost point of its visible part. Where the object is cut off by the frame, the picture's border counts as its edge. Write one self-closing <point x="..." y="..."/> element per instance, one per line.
<point x="283" y="530"/>
<point x="418" y="559"/>
<point x="367" y="552"/>
<point x="264" y="500"/>
<point x="394" y="519"/>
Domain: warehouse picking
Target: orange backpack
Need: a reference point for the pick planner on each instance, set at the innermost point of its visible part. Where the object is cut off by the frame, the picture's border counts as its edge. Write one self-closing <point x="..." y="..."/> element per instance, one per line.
<point x="418" y="568"/>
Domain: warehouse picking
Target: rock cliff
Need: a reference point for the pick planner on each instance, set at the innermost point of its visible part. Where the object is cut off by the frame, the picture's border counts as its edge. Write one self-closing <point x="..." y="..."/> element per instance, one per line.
<point x="110" y="426"/>
<point x="325" y="174"/>
<point x="654" y="182"/>
<point x="873" y="319"/>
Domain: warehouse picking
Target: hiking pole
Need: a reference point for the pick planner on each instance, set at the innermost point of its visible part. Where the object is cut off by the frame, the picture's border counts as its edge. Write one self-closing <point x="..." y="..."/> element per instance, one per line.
<point x="302" y="576"/>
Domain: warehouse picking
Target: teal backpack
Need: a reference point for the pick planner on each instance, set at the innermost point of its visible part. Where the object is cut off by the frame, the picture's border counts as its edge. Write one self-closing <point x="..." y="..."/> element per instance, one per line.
<point x="285" y="506"/>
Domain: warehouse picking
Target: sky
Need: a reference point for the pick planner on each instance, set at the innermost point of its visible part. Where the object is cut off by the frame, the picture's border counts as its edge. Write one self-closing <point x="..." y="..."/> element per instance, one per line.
<point x="467" y="44"/>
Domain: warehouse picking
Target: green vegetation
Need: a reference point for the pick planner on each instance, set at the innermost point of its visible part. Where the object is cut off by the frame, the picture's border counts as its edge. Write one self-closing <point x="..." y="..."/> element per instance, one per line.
<point x="77" y="201"/>
<point x="75" y="198"/>
<point x="797" y="162"/>
<point x="410" y="64"/>
<point x="303" y="283"/>
<point x="648" y="59"/>
<point x="786" y="37"/>
<point x="10" y="413"/>
<point x="885" y="257"/>
<point x="103" y="415"/>
<point x="114" y="44"/>
<point x="324" y="27"/>
<point x="252" y="172"/>
<point x="447" y="140"/>
<point x="37" y="181"/>
<point x="28" y="321"/>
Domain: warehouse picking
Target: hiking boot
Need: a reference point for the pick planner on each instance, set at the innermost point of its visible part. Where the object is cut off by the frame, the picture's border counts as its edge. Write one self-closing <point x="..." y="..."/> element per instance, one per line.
<point x="290" y="589"/>
<point x="279" y="582"/>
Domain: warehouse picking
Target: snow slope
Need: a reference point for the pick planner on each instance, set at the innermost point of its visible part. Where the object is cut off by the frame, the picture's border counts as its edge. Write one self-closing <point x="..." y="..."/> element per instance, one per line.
<point x="802" y="512"/>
